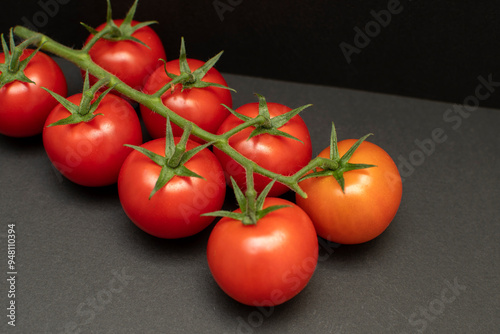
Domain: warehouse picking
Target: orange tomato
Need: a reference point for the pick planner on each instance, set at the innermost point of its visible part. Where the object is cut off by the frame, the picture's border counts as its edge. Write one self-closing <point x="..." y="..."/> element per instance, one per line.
<point x="368" y="204"/>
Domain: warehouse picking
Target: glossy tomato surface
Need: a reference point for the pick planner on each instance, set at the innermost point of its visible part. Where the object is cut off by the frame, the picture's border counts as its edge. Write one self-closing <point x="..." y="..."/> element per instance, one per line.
<point x="174" y="210"/>
<point x="268" y="263"/>
<point x="202" y="106"/>
<point x="129" y="60"/>
<point x="278" y="154"/>
<point x="91" y="153"/>
<point x="369" y="204"/>
<point x="25" y="106"/>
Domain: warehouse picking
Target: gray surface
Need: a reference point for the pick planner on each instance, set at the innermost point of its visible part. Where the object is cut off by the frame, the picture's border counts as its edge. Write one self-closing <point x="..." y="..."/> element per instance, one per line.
<point x="73" y="242"/>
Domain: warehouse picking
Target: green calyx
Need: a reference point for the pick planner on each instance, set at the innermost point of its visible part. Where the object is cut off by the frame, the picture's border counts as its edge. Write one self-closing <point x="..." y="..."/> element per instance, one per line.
<point x="268" y="124"/>
<point x="336" y="166"/>
<point x="251" y="205"/>
<point x="13" y="68"/>
<point x="85" y="112"/>
<point x="188" y="79"/>
<point x="113" y="32"/>
<point x="172" y="163"/>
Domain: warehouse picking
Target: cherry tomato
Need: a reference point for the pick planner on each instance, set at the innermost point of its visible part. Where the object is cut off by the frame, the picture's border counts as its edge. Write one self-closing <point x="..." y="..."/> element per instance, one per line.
<point x="25" y="106"/>
<point x="201" y="106"/>
<point x="130" y="61"/>
<point x="268" y="263"/>
<point x="174" y="210"/>
<point x="278" y="154"/>
<point x="91" y="153"/>
<point x="369" y="204"/>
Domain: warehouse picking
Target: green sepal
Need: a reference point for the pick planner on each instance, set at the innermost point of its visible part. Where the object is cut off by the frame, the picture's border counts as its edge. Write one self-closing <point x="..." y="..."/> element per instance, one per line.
<point x="166" y="174"/>
<point x="244" y="118"/>
<point x="270" y="209"/>
<point x="114" y="33"/>
<point x="172" y="163"/>
<point x="336" y="166"/>
<point x="90" y="29"/>
<point x="317" y="174"/>
<point x="156" y="158"/>
<point x="70" y="106"/>
<point x="272" y="132"/>
<point x="224" y="213"/>
<point x="85" y="112"/>
<point x="188" y="79"/>
<point x="75" y="119"/>
<point x="13" y="68"/>
<point x="251" y="206"/>
<point x="269" y="125"/>
<point x="240" y="197"/>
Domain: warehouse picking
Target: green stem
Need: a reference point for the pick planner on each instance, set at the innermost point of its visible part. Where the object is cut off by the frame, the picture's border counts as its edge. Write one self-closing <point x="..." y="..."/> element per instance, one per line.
<point x="162" y="90"/>
<point x="251" y="196"/>
<point x="153" y="102"/>
<point x="94" y="39"/>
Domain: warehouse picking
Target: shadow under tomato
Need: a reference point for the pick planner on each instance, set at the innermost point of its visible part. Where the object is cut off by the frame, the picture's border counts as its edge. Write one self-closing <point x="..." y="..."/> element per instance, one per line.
<point x="24" y="144"/>
<point x="159" y="250"/>
<point x="241" y="318"/>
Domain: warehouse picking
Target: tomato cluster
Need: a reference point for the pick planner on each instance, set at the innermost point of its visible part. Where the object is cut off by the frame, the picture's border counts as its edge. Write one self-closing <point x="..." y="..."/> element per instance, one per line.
<point x="263" y="253"/>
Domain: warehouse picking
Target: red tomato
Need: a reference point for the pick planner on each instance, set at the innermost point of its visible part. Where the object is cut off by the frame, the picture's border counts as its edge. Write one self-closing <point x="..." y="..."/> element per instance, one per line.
<point x="369" y="204"/>
<point x="91" y="153"/>
<point x="268" y="263"/>
<point x="130" y="61"/>
<point x="278" y="154"/>
<point x="201" y="106"/>
<point x="174" y="210"/>
<point x="25" y="106"/>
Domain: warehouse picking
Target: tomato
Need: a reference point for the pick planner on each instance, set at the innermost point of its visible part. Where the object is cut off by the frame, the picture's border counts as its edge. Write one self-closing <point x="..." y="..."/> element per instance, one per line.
<point x="278" y="154"/>
<point x="174" y="210"/>
<point x="370" y="202"/>
<point x="201" y="106"/>
<point x="130" y="61"/>
<point x="268" y="263"/>
<point x="25" y="106"/>
<point x="91" y="153"/>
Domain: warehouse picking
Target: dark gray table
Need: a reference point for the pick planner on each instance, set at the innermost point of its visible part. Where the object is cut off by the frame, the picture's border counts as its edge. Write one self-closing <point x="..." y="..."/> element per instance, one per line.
<point x="83" y="266"/>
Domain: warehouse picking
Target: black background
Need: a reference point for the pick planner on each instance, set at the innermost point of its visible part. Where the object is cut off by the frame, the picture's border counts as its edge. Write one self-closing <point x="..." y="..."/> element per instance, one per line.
<point x="73" y="240"/>
<point x="431" y="49"/>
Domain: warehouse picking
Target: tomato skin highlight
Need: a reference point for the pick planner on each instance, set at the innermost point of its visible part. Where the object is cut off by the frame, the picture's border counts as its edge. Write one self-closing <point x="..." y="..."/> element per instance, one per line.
<point x="276" y="153"/>
<point x="268" y="263"/>
<point x="130" y="61"/>
<point x="91" y="153"/>
<point x="174" y="210"/>
<point x="202" y="106"/>
<point x="25" y="106"/>
<point x="370" y="202"/>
